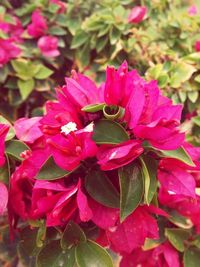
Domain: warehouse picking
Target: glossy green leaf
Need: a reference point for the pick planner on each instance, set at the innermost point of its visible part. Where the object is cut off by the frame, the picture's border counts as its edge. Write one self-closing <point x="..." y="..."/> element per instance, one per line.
<point x="109" y="132"/>
<point x="11" y="132"/>
<point x="43" y="73"/>
<point x="50" y="171"/>
<point x="179" y="154"/>
<point x="114" y="35"/>
<point x="93" y="107"/>
<point x="25" y="87"/>
<point x="177" y="237"/>
<point x="101" y="189"/>
<point x="191" y="257"/>
<point x="149" y="171"/>
<point x="72" y="235"/>
<point x="131" y="189"/>
<point x="91" y="254"/>
<point x="52" y="255"/>
<point x="14" y="148"/>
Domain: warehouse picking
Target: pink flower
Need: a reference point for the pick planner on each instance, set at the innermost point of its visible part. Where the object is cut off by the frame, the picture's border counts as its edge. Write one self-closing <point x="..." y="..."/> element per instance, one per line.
<point x="38" y="26"/>
<point x="192" y="10"/>
<point x="59" y="202"/>
<point x="14" y="30"/>
<point x="60" y="4"/>
<point x="112" y="157"/>
<point x="48" y="46"/>
<point x="4" y="198"/>
<point x="72" y="146"/>
<point x="132" y="232"/>
<point x="3" y="132"/>
<point x="137" y="14"/>
<point x="27" y="130"/>
<point x="197" y="46"/>
<point x="175" y="179"/>
<point x="8" y="51"/>
<point x="163" y="255"/>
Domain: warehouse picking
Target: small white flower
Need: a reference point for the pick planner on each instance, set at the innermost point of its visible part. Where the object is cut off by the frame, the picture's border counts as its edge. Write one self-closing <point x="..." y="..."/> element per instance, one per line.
<point x="89" y="128"/>
<point x="69" y="127"/>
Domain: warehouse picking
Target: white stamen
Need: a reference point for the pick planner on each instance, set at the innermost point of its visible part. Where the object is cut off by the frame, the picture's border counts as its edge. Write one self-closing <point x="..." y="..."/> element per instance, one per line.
<point x="69" y="127"/>
<point x="89" y="127"/>
<point x="113" y="155"/>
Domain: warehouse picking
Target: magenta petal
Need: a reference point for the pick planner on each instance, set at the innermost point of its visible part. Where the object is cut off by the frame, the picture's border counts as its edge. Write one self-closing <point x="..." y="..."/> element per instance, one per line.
<point x="4" y="198"/>
<point x="27" y="130"/>
<point x="103" y="217"/>
<point x="84" y="210"/>
<point x="177" y="181"/>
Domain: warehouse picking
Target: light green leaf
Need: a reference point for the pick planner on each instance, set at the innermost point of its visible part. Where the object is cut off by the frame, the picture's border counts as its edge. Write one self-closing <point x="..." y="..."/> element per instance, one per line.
<point x="193" y="96"/>
<point x="93" y="107"/>
<point x="90" y="254"/>
<point x="191" y="257"/>
<point x="177" y="237"/>
<point x="43" y="73"/>
<point x="79" y="39"/>
<point x="11" y="132"/>
<point x="179" y="154"/>
<point x="131" y="189"/>
<point x="149" y="171"/>
<point x="25" y="87"/>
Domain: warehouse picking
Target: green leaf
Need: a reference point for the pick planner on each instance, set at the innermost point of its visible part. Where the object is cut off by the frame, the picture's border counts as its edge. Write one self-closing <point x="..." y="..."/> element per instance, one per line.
<point x="101" y="189"/>
<point x="179" y="220"/>
<point x="25" y="87"/>
<point x="177" y="237"/>
<point x="149" y="170"/>
<point x="191" y="257"/>
<point x="131" y="189"/>
<point x="11" y="132"/>
<point x="109" y="132"/>
<point x="193" y="96"/>
<point x="43" y="73"/>
<point x="52" y="255"/>
<point x="50" y="171"/>
<point x="181" y="72"/>
<point x="90" y="254"/>
<point x="101" y="43"/>
<point x="41" y="234"/>
<point x="56" y="30"/>
<point x="72" y="235"/>
<point x="114" y="35"/>
<point x="93" y="107"/>
<point x="179" y="154"/>
<point x="79" y="39"/>
<point x="14" y="148"/>
<point x="28" y="238"/>
<point x="196" y="120"/>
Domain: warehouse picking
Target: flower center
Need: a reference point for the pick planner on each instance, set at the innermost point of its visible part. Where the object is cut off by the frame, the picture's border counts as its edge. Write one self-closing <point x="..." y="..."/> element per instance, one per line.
<point x="68" y="128"/>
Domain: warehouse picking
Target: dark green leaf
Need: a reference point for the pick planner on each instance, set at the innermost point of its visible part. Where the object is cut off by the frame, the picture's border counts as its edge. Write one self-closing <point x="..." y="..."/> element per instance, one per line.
<point x="91" y="254"/>
<point x="114" y="35"/>
<point x="72" y="235"/>
<point x="50" y="171"/>
<point x="14" y="148"/>
<point x="177" y="237"/>
<point x="52" y="255"/>
<point x="5" y="171"/>
<point x="131" y="189"/>
<point x="101" y="189"/>
<point x="109" y="132"/>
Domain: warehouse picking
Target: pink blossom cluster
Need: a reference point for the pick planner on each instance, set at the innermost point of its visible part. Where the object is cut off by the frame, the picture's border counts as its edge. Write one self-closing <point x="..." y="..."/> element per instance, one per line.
<point x="66" y="134"/>
<point x="14" y="34"/>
